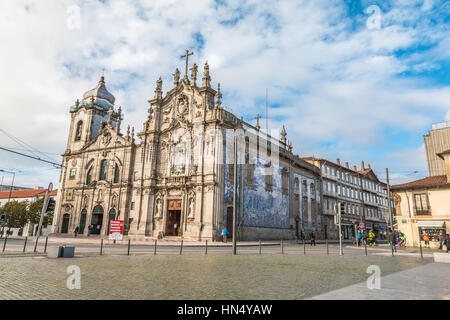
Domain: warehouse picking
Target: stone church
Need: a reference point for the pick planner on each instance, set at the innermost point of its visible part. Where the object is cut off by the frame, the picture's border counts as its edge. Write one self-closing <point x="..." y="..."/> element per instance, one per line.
<point x="176" y="176"/>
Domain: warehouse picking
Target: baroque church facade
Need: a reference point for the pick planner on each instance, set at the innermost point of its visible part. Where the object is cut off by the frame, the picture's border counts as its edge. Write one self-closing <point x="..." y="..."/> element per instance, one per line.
<point x="176" y="177"/>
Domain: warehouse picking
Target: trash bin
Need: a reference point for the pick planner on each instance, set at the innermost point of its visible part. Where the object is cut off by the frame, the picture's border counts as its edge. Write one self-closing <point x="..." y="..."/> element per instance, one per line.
<point x="55" y="252"/>
<point x="68" y="252"/>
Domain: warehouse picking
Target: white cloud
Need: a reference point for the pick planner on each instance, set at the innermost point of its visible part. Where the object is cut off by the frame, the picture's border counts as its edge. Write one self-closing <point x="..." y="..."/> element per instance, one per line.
<point x="332" y="82"/>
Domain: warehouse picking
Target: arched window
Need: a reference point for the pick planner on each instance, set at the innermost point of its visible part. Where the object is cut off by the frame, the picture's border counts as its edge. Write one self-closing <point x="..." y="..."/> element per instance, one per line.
<point x="103" y="167"/>
<point x="79" y="130"/>
<point x="89" y="176"/>
<point x="116" y="173"/>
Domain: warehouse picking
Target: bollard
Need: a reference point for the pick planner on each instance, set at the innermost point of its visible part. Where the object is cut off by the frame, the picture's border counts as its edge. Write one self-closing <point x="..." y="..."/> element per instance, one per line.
<point x="45" y="247"/>
<point x="181" y="247"/>
<point x="421" y="253"/>
<point x="282" y="247"/>
<point x="259" y="246"/>
<point x="101" y="247"/>
<point x="304" y="247"/>
<point x="129" y="245"/>
<point x="326" y="242"/>
<point x="154" y="253"/>
<point x="392" y="248"/>
<point x="365" y="247"/>
<point x="4" y="244"/>
<point x="25" y="244"/>
<point x="206" y="247"/>
<point x="35" y="245"/>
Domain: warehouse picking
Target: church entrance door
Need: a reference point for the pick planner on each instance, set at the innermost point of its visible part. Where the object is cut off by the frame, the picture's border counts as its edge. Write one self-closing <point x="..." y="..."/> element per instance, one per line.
<point x="97" y="219"/>
<point x="173" y="224"/>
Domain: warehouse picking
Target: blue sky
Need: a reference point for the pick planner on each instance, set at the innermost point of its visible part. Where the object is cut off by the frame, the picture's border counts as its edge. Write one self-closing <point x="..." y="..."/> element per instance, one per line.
<point x="355" y="80"/>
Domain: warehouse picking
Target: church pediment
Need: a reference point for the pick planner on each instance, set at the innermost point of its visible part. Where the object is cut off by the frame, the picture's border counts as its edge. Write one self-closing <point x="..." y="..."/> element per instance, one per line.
<point x="107" y="137"/>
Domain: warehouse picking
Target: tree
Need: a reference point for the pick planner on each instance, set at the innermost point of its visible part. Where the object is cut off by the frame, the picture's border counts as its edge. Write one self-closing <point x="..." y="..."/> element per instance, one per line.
<point x="34" y="213"/>
<point x="16" y="215"/>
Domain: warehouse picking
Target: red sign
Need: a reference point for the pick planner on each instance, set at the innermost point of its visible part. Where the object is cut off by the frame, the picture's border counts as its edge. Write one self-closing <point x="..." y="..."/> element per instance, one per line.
<point x="116" y="230"/>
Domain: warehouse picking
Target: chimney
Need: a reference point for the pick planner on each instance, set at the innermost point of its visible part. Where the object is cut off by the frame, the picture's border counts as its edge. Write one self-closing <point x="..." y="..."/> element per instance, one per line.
<point x="362" y="165"/>
<point x="446" y="157"/>
<point x="368" y="166"/>
<point x="355" y="168"/>
<point x="338" y="161"/>
<point x="346" y="165"/>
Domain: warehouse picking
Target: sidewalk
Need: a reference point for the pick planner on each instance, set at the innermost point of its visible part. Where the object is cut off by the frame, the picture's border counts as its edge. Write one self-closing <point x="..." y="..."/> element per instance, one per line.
<point x="427" y="282"/>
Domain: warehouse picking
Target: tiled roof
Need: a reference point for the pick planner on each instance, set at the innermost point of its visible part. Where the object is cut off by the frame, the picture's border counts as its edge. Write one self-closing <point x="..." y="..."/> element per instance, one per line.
<point x="426" y="182"/>
<point x="26" y="193"/>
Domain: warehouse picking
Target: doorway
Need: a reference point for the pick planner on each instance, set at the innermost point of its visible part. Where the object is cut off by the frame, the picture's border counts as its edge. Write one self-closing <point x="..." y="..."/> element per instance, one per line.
<point x="83" y="221"/>
<point x="97" y="219"/>
<point x="173" y="222"/>
<point x="65" y="223"/>
<point x="229" y="224"/>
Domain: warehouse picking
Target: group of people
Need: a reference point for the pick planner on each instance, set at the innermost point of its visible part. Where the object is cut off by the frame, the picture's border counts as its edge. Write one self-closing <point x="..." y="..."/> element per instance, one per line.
<point x="90" y="229"/>
<point x="369" y="238"/>
<point x="396" y="239"/>
<point x="444" y="240"/>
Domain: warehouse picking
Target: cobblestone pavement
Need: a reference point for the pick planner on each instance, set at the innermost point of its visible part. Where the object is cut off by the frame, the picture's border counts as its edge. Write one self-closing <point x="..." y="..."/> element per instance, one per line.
<point x="426" y="282"/>
<point x="191" y="276"/>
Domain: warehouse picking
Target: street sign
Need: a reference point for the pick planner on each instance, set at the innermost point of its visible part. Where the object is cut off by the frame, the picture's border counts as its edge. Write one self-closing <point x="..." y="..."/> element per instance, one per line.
<point x="50" y="187"/>
<point x="361" y="225"/>
<point x="116" y="230"/>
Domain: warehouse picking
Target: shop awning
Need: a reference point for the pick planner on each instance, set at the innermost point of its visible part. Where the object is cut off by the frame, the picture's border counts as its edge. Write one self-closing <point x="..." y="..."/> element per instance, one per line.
<point x="431" y="224"/>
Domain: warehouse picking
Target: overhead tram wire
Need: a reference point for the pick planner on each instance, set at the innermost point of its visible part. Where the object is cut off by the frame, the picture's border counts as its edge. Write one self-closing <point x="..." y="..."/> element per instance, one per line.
<point x="35" y="158"/>
<point x="29" y="148"/>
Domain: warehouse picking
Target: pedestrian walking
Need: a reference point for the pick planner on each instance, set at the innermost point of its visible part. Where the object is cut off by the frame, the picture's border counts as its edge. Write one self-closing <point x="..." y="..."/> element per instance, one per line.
<point x="442" y="240"/>
<point x="77" y="229"/>
<point x="447" y="242"/>
<point x="224" y="234"/>
<point x="393" y="240"/>
<point x="426" y="239"/>
<point x="90" y="230"/>
<point x="312" y="236"/>
<point x="359" y="238"/>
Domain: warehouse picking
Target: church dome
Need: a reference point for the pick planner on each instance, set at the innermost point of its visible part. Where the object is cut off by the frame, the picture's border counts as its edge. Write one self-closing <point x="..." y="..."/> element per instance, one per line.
<point x="99" y="92"/>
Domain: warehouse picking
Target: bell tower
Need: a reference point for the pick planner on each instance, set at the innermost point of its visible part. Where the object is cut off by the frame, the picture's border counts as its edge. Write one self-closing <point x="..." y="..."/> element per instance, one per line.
<point x="90" y="115"/>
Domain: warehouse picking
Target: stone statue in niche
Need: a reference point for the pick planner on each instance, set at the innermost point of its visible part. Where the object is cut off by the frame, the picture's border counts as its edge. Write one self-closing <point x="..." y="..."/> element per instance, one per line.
<point x="191" y="208"/>
<point x="158" y="208"/>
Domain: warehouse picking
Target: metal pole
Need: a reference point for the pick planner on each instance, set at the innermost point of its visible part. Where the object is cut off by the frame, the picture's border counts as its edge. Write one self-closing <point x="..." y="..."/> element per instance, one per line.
<point x="101" y="247"/>
<point x="4" y="244"/>
<point x="44" y="209"/>
<point x="45" y="247"/>
<point x="206" y="247"/>
<point x="129" y="245"/>
<point x="365" y="246"/>
<point x="391" y="217"/>
<point x="25" y="244"/>
<point x="260" y="247"/>
<point x="282" y="247"/>
<point x="234" y="193"/>
<point x="154" y="253"/>
<point x="340" y="229"/>
<point x="304" y="247"/>
<point x="421" y="253"/>
<point x="35" y="245"/>
<point x="326" y="242"/>
<point x="181" y="247"/>
<point x="9" y="199"/>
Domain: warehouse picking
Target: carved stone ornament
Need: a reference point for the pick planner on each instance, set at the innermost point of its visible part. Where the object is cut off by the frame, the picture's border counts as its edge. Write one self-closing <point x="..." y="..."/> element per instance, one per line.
<point x="182" y="105"/>
<point x="106" y="139"/>
<point x="74" y="162"/>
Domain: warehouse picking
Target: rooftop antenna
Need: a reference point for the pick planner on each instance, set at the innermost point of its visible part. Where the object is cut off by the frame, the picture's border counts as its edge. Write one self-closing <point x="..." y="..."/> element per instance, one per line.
<point x="267" y="110"/>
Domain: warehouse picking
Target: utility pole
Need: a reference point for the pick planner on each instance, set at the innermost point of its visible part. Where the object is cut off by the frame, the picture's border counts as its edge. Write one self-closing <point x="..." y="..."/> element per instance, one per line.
<point x="340" y="227"/>
<point x="391" y="217"/>
<point x="44" y="207"/>
<point x="234" y="194"/>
